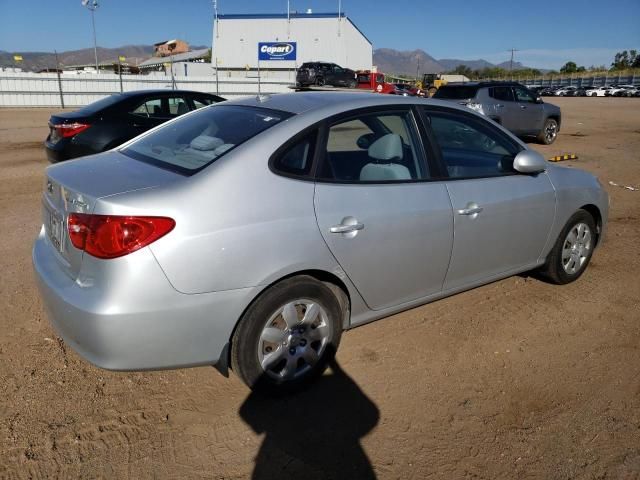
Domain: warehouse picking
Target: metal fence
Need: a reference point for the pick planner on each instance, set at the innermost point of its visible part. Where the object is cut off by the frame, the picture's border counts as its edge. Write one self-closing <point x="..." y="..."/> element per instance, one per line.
<point x="575" y="80"/>
<point x="26" y="89"/>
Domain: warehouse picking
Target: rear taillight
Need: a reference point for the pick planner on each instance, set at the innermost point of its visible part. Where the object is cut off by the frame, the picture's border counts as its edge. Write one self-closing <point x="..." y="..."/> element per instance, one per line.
<point x="67" y="130"/>
<point x="112" y="236"/>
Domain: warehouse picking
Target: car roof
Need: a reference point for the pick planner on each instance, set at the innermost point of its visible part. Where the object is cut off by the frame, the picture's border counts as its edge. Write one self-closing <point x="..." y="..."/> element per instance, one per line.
<point x="300" y="102"/>
<point x="156" y="91"/>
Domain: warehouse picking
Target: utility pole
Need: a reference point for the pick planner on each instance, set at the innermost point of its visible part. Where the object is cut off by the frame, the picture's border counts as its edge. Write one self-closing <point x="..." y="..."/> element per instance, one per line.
<point x="511" y="62"/>
<point x="92" y="5"/>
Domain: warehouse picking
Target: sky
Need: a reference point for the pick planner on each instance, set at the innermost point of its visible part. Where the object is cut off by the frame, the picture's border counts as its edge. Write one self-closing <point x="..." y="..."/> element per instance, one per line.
<point x="546" y="35"/>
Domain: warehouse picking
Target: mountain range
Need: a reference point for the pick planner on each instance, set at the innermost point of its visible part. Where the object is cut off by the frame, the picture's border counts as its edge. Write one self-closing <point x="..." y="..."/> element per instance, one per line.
<point x="35" y="61"/>
<point x="386" y="59"/>
<point x="418" y="61"/>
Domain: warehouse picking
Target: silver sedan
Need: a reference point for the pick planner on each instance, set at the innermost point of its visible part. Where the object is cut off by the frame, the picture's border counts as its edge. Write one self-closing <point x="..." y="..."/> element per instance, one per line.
<point x="252" y="233"/>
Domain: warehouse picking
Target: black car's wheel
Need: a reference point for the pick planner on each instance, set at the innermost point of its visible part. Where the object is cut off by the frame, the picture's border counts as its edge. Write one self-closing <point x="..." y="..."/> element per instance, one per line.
<point x="549" y="132"/>
<point x="573" y="249"/>
<point x="352" y="83"/>
<point x="288" y="335"/>
<point x="320" y="82"/>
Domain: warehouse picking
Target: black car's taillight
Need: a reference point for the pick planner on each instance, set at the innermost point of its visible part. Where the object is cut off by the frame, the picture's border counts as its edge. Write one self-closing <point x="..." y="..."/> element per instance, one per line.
<point x="68" y="130"/>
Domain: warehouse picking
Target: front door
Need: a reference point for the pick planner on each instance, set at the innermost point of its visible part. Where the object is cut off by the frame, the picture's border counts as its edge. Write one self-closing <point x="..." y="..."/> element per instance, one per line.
<point x="387" y="225"/>
<point x="502" y="219"/>
<point x="531" y="112"/>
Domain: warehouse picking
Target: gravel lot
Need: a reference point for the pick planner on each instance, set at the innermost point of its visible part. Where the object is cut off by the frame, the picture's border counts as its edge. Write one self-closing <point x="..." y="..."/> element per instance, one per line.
<point x="516" y="379"/>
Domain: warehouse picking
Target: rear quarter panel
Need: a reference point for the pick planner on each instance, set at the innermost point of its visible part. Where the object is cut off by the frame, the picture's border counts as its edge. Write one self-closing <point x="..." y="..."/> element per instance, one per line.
<point x="237" y="223"/>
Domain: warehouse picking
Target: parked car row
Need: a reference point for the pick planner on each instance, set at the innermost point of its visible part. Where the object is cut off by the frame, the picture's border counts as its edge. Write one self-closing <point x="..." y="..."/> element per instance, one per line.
<point x="588" y="91"/>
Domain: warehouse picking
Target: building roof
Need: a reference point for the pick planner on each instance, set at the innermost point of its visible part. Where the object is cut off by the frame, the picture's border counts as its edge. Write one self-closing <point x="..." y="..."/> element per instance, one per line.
<point x="180" y="57"/>
<point x="291" y="15"/>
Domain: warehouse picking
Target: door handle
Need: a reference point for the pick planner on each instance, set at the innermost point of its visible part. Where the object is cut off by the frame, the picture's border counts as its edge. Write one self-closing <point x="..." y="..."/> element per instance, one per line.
<point x="469" y="211"/>
<point x="346" y="228"/>
<point x="499" y="105"/>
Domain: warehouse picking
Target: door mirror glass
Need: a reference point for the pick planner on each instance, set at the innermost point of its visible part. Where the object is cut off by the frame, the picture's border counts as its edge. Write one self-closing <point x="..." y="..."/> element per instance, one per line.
<point x="364" y="141"/>
<point x="539" y="100"/>
<point x="529" y="161"/>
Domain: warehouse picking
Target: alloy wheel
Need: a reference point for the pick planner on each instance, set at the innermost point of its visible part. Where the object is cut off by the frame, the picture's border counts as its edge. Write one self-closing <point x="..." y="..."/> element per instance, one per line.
<point x="293" y="339"/>
<point x="576" y="248"/>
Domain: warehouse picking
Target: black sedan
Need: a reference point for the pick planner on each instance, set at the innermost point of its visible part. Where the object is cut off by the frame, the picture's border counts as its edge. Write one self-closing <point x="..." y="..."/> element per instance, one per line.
<point x="113" y="120"/>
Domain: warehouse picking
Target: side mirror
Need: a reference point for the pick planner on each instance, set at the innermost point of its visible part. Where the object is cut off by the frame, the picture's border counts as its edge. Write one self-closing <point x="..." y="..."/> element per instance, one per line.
<point x="365" y="141"/>
<point x="529" y="161"/>
<point x="539" y="100"/>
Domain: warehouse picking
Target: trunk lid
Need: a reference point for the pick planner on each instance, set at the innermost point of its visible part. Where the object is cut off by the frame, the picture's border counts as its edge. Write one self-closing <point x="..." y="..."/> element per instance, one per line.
<point x="74" y="187"/>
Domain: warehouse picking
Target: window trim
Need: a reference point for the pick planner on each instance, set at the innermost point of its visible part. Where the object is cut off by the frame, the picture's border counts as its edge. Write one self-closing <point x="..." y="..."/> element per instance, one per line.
<point x="359" y="112"/>
<point x="455" y="112"/>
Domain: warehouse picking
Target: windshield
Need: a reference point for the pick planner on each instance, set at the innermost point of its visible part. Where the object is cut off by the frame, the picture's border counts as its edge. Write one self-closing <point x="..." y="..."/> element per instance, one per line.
<point x="194" y="141"/>
<point x="456" y="93"/>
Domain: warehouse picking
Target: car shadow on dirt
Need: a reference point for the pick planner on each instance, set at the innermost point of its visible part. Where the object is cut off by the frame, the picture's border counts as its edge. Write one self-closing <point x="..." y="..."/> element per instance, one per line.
<point x="315" y="433"/>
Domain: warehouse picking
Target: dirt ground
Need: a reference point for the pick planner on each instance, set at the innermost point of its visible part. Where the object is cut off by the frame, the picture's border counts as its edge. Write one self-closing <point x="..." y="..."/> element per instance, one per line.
<point x="516" y="379"/>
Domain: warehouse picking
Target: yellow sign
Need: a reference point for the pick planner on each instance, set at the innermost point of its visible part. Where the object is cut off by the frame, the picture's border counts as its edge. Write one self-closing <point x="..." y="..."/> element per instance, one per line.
<point x="121" y="58"/>
<point x="17" y="58"/>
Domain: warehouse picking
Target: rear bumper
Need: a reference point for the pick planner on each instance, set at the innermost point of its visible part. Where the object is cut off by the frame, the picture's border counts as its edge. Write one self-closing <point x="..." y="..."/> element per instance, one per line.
<point x="134" y="323"/>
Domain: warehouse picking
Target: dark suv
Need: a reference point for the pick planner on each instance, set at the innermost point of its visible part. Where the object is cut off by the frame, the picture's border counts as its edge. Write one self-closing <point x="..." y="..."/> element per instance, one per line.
<point x="510" y="104"/>
<point x="323" y="73"/>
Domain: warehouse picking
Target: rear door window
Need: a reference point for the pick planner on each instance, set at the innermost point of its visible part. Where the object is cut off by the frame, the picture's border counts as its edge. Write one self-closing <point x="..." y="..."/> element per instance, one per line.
<point x="150" y="108"/>
<point x="457" y="92"/>
<point x="502" y="93"/>
<point x="189" y="144"/>
<point x="177" y="106"/>
<point x="374" y="147"/>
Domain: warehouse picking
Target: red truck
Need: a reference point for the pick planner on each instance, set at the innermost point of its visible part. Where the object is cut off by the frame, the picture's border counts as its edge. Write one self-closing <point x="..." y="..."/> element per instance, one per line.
<point x="376" y="82"/>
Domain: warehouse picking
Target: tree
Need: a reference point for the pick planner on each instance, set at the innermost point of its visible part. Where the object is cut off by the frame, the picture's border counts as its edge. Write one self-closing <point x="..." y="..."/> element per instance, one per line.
<point x="626" y="59"/>
<point x="569" y="67"/>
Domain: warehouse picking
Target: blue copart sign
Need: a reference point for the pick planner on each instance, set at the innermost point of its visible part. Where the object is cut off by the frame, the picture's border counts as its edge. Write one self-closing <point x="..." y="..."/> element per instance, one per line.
<point x="277" y="51"/>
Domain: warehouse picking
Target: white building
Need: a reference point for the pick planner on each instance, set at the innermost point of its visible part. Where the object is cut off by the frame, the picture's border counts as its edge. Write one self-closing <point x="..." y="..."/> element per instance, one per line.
<point x="276" y="44"/>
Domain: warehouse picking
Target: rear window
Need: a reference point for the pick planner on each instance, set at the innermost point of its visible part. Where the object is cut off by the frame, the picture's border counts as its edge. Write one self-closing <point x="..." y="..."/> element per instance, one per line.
<point x="194" y="141"/>
<point x="101" y="104"/>
<point x="456" y="92"/>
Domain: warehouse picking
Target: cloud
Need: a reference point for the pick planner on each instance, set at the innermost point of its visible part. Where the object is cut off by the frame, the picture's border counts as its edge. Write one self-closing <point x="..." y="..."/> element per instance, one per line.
<point x="554" y="59"/>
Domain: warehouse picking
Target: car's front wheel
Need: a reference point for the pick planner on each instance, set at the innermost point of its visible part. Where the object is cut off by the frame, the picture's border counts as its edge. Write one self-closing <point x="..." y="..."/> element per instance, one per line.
<point x="549" y="132"/>
<point x="288" y="335"/>
<point x="573" y="249"/>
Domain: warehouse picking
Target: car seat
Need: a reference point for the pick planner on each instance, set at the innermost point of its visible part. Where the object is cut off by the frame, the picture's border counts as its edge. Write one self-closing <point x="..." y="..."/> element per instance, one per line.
<point x="385" y="154"/>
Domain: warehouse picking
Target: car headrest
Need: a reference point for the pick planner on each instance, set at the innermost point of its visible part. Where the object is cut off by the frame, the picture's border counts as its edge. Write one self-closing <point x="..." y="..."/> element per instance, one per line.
<point x="206" y="142"/>
<point x="386" y="149"/>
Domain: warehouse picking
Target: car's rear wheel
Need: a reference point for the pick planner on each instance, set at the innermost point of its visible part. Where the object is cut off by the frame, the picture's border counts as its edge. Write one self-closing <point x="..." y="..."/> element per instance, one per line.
<point x="549" y="132"/>
<point x="573" y="249"/>
<point x="320" y="82"/>
<point x="352" y="84"/>
<point x="288" y="335"/>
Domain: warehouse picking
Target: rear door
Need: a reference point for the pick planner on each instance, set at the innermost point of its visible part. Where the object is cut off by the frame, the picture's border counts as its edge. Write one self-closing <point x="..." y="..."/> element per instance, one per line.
<point x="385" y="220"/>
<point x="502" y="218"/>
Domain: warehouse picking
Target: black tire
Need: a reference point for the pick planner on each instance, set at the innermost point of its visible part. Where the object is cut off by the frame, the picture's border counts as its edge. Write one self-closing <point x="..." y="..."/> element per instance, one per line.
<point x="246" y="340"/>
<point x="320" y="82"/>
<point x="594" y="94"/>
<point x="352" y="84"/>
<point x="549" y="132"/>
<point x="553" y="270"/>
